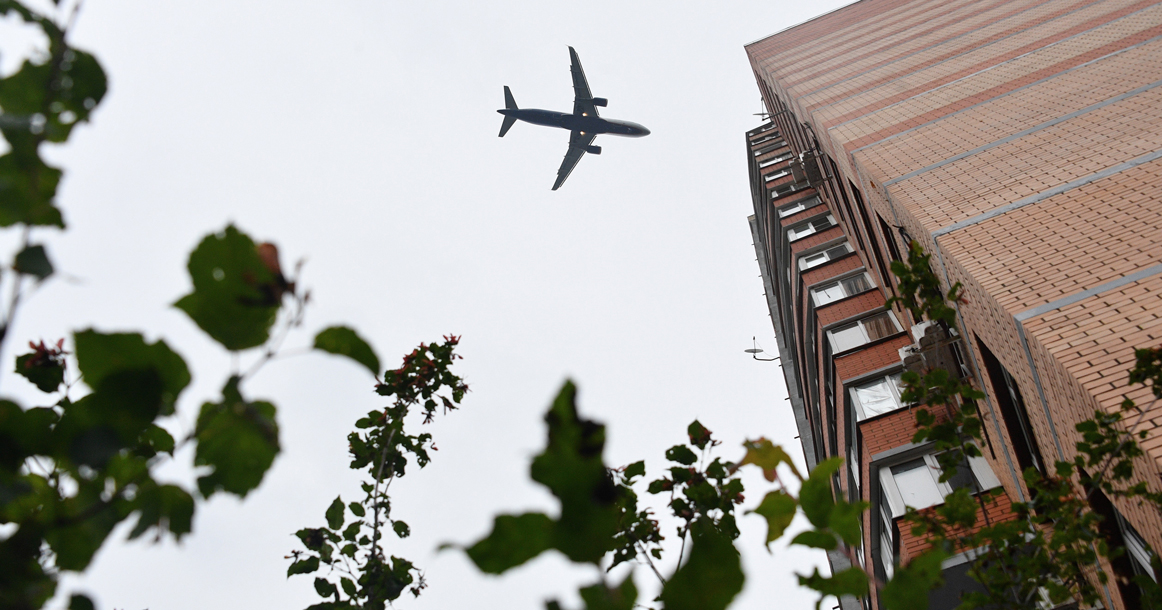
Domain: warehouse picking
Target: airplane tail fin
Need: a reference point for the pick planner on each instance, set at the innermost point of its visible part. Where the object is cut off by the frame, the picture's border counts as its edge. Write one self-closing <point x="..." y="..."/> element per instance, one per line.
<point x="509" y="104"/>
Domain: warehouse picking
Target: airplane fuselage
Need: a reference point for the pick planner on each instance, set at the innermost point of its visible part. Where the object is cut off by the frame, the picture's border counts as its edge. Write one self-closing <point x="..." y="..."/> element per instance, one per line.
<point x="576" y="122"/>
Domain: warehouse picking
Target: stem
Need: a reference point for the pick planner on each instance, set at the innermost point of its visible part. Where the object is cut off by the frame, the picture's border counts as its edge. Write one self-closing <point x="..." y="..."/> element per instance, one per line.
<point x="650" y="562"/>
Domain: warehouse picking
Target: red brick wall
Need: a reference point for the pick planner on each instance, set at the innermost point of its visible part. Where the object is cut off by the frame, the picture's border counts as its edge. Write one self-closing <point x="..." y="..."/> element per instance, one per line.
<point x="1000" y="509"/>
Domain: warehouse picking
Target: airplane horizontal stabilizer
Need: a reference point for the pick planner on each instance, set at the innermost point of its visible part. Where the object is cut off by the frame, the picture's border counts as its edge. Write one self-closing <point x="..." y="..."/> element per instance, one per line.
<point x="509" y="121"/>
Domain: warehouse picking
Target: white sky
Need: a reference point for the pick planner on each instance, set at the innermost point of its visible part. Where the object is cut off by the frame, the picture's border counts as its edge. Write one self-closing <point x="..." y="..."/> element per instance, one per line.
<point x="361" y="134"/>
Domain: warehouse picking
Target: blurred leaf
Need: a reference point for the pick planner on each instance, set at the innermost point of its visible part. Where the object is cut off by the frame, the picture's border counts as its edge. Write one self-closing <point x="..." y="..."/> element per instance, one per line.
<point x="635" y="469"/>
<point x="852" y="581"/>
<point x="27" y="188"/>
<point x="767" y="456"/>
<point x="46" y="374"/>
<point x="80" y="602"/>
<point x="303" y="566"/>
<point x="62" y="95"/>
<point x="572" y="468"/>
<point x="325" y="588"/>
<point x="513" y="541"/>
<point x="699" y="435"/>
<point x="778" y="508"/>
<point x="845" y="520"/>
<point x="33" y="260"/>
<point x="401" y="529"/>
<point x="239" y="439"/>
<point x="815" y="494"/>
<point x="236" y="297"/>
<point x="75" y="543"/>
<point x="357" y="509"/>
<point x="600" y="597"/>
<point x="344" y="341"/>
<point x="816" y="539"/>
<point x="157" y="439"/>
<point x="164" y="507"/>
<point x="681" y="454"/>
<point x="100" y="355"/>
<point x="335" y="514"/>
<point x="711" y="578"/>
<point x="911" y="584"/>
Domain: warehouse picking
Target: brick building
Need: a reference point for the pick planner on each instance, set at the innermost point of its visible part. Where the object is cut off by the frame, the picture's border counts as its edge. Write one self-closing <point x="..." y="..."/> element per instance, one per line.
<point x="1020" y="142"/>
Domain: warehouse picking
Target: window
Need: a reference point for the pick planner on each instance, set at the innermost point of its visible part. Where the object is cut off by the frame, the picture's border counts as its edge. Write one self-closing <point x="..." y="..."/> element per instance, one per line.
<point x="1013" y="412"/>
<point x="810" y="227"/>
<point x="798" y="206"/>
<point x="869" y="329"/>
<point x="818" y="258"/>
<point x="776" y="175"/>
<point x="841" y="288"/>
<point x="876" y="397"/>
<point x="774" y="160"/>
<point x="916" y="483"/>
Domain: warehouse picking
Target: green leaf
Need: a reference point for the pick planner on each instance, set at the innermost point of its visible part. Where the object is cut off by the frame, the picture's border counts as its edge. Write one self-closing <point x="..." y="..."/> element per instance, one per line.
<point x="356" y="509"/>
<point x="401" y="529"/>
<point x="348" y="587"/>
<point x="45" y="373"/>
<point x="335" y="514"/>
<point x="344" y="341"/>
<point x="33" y="260"/>
<point x="633" y="470"/>
<point x="845" y="520"/>
<point x="816" y="539"/>
<point x="513" y="541"/>
<point x="157" y="439"/>
<point x="600" y="597"/>
<point x="909" y="587"/>
<point x="236" y="297"/>
<point x="711" y="578"/>
<point x="324" y="588"/>
<point x="767" y="456"/>
<point x="699" y="435"/>
<point x="164" y="507"/>
<point x="681" y="454"/>
<point x="303" y="566"/>
<point x="238" y="439"/>
<point x="100" y="355"/>
<point x="778" y="508"/>
<point x="80" y="602"/>
<point x="572" y="468"/>
<point x="852" y="581"/>
<point x="815" y="494"/>
<point x="27" y="188"/>
<point x="63" y="94"/>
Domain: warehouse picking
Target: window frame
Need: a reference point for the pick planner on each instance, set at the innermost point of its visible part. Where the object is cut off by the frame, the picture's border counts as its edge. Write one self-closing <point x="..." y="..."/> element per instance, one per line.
<point x="803" y="266"/>
<point x="982" y="475"/>
<point x="835" y="347"/>
<point x="838" y="282"/>
<point x="793" y="234"/>
<point x="857" y="405"/>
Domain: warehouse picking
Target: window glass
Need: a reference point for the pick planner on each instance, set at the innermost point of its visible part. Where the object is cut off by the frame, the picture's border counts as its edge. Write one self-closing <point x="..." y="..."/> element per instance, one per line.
<point x="837" y="251"/>
<point x="827" y="293"/>
<point x="794" y="208"/>
<point x="879" y="326"/>
<point x="856" y="284"/>
<point x="776" y="175"/>
<point x="877" y="397"/>
<point x="847" y="337"/>
<point x="812" y="260"/>
<point x="916" y="484"/>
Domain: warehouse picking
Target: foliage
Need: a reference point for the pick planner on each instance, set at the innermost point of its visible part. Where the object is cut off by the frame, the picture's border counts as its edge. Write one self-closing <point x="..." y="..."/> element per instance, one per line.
<point x="358" y="571"/>
<point x="82" y="461"/>
<point x="1052" y="545"/>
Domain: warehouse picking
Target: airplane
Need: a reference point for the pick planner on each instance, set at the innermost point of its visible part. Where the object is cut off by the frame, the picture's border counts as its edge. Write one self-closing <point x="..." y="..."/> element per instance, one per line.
<point x="583" y="125"/>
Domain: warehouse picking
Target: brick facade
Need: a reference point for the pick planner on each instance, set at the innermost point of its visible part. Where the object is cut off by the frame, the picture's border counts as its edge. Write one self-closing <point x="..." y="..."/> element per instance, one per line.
<point x="1019" y="142"/>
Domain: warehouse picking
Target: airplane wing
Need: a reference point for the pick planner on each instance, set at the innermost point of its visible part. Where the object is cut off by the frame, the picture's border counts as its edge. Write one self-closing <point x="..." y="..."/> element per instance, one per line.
<point x="577" y="143"/>
<point x="582" y="97"/>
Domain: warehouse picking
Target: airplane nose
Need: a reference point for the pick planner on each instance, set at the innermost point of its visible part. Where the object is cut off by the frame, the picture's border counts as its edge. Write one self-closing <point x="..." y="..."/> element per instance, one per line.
<point x="645" y="132"/>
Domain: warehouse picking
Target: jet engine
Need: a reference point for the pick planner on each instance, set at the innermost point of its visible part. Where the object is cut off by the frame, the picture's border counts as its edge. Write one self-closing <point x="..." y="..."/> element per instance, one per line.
<point x="600" y="101"/>
<point x="593" y="150"/>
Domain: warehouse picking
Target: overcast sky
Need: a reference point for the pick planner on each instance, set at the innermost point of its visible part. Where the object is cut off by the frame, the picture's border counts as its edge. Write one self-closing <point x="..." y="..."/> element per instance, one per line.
<point x="361" y="135"/>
